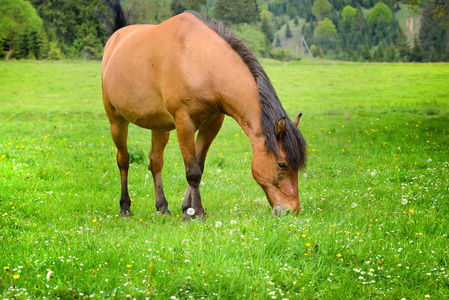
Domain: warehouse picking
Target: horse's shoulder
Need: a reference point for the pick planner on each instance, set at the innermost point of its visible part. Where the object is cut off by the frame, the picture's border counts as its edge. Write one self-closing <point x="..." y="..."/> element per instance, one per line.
<point x="128" y="30"/>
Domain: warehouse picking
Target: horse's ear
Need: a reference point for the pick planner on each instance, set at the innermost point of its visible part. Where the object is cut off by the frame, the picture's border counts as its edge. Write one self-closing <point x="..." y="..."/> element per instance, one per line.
<point x="280" y="127"/>
<point x="297" y="120"/>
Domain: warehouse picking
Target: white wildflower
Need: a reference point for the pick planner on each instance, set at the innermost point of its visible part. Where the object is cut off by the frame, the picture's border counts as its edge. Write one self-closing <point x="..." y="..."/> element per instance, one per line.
<point x="49" y="275"/>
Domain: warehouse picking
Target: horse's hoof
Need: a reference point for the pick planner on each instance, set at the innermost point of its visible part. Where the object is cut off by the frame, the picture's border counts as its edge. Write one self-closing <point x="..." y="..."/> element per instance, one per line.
<point x="164" y="211"/>
<point x="186" y="217"/>
<point x="125" y="213"/>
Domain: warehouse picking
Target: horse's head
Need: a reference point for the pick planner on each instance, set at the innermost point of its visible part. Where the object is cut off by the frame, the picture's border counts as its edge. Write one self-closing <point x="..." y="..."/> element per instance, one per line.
<point x="278" y="179"/>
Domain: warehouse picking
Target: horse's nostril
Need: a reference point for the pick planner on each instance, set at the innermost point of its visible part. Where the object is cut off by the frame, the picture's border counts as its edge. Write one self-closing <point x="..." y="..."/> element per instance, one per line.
<point x="280" y="210"/>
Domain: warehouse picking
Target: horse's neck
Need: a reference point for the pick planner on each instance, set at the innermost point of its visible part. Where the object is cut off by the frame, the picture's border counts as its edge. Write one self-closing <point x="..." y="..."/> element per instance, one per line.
<point x="246" y="112"/>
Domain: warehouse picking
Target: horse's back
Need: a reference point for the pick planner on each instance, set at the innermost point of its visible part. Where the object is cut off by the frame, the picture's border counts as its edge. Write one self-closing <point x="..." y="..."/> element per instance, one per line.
<point x="151" y="73"/>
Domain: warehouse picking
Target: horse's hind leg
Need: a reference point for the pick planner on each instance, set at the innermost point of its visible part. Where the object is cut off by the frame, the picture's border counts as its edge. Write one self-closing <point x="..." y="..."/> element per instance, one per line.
<point x="119" y="131"/>
<point x="206" y="135"/>
<point x="159" y="140"/>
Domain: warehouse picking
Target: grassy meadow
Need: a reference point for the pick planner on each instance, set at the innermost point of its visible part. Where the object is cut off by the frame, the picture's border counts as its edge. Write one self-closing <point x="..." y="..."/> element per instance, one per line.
<point x="374" y="197"/>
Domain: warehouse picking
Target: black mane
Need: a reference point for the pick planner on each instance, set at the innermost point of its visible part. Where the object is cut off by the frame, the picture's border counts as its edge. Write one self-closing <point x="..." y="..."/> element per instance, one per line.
<point x="271" y="108"/>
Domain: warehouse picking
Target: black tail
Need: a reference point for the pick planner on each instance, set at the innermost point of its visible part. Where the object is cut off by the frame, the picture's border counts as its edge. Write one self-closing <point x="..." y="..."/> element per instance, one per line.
<point x="120" y="20"/>
<point x="117" y="19"/>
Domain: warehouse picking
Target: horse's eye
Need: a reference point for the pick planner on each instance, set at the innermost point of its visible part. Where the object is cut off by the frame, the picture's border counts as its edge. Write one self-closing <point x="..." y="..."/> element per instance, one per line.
<point x="282" y="166"/>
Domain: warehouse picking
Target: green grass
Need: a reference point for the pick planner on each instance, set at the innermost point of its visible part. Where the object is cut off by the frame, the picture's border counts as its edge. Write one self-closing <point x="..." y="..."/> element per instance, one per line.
<point x="378" y="137"/>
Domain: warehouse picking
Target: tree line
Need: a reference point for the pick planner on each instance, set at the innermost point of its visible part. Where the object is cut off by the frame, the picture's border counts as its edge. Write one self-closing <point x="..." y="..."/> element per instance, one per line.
<point x="358" y="30"/>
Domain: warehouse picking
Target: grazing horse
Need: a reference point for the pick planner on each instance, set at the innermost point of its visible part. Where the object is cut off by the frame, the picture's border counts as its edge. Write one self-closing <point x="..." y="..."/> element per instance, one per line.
<point x="186" y="74"/>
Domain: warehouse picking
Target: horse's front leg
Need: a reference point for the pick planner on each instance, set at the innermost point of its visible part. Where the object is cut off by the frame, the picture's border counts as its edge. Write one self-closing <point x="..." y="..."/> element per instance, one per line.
<point x="186" y="139"/>
<point x="207" y="133"/>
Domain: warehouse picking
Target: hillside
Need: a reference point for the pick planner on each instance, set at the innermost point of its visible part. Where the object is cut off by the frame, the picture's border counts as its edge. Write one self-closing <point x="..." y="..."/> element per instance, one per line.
<point x="409" y="22"/>
<point x="352" y="30"/>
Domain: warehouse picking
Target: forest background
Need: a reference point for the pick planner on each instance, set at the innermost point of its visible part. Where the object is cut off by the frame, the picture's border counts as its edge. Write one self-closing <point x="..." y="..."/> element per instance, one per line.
<point x="352" y="30"/>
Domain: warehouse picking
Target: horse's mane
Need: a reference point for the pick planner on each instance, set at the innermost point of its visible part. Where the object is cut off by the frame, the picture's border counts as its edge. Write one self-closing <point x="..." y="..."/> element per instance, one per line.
<point x="271" y="108"/>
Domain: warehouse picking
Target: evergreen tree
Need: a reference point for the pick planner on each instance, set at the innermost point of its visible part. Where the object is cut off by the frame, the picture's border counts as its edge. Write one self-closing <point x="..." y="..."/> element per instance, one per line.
<point x="366" y="54"/>
<point x="179" y="6"/>
<point x="403" y="48"/>
<point x="417" y="53"/>
<point x="380" y="31"/>
<point x="267" y="30"/>
<point x="236" y="11"/>
<point x="278" y="41"/>
<point x="434" y="39"/>
<point x="390" y="54"/>
<point x="288" y="32"/>
<point x="379" y="53"/>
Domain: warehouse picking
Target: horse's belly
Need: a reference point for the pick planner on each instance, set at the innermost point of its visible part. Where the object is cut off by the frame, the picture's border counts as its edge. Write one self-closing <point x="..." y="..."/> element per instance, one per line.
<point x="136" y="96"/>
<point x="148" y="116"/>
<point x="155" y="121"/>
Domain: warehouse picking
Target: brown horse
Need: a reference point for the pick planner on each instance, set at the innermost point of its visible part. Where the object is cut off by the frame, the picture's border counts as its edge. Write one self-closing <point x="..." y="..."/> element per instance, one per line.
<point x="186" y="74"/>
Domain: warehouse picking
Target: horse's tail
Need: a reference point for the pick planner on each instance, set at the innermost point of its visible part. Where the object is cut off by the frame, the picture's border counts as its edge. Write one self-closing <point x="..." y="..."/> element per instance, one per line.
<point x="119" y="17"/>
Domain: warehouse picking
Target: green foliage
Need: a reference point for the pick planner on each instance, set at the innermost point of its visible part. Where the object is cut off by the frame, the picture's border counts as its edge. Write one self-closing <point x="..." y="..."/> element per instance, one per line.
<point x="376" y="134"/>
<point x="76" y="26"/>
<point x="264" y="13"/>
<point x="314" y="50"/>
<point x="321" y="8"/>
<point x="325" y="34"/>
<point x="284" y="55"/>
<point x="18" y="20"/>
<point x="253" y="38"/>
<point x="317" y="51"/>
<point x="380" y="11"/>
<point x="236" y="11"/>
<point x="155" y="11"/>
<point x="54" y="52"/>
<point x="348" y="14"/>
<point x="438" y="11"/>
<point x="179" y="6"/>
